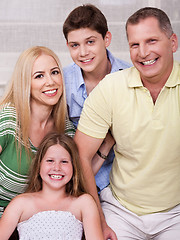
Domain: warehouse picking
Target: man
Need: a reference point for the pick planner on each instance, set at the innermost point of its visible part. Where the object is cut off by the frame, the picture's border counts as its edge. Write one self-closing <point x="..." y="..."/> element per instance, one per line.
<point x="87" y="36"/>
<point x="141" y="106"/>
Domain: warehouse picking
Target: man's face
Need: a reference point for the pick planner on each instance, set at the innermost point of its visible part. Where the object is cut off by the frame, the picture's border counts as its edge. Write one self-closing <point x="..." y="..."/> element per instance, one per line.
<point x="88" y="48"/>
<point x="151" y="50"/>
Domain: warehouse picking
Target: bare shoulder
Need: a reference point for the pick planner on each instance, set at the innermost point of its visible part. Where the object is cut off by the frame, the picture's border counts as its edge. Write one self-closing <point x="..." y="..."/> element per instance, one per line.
<point x="86" y="200"/>
<point x="21" y="200"/>
<point x="85" y="197"/>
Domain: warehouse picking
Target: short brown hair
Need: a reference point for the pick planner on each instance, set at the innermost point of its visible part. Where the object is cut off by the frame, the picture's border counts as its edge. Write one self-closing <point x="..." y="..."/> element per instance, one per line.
<point x="85" y="16"/>
<point x="75" y="186"/>
<point x="161" y="16"/>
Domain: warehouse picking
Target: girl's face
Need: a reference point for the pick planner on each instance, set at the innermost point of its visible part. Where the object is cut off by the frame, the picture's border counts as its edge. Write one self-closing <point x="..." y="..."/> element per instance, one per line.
<point x="56" y="168"/>
<point x="46" y="81"/>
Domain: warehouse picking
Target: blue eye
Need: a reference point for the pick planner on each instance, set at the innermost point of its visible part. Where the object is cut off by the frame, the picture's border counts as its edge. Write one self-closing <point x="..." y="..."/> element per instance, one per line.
<point x="74" y="45"/>
<point x="90" y="42"/>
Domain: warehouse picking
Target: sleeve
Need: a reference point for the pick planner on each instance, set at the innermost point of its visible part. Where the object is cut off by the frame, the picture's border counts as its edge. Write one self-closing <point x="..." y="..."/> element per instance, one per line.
<point x="96" y="117"/>
<point x="7" y="125"/>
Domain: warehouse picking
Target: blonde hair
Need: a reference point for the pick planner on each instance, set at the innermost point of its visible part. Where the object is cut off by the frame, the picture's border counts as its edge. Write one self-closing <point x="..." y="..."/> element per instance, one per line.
<point x="75" y="186"/>
<point x="18" y="94"/>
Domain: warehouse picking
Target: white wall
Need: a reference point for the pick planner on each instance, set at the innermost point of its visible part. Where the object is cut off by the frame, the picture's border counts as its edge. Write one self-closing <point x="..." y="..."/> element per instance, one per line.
<point x="24" y="23"/>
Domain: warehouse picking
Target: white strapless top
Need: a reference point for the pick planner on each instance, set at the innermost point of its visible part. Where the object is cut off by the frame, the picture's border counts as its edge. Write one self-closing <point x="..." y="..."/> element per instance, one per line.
<point x="51" y="225"/>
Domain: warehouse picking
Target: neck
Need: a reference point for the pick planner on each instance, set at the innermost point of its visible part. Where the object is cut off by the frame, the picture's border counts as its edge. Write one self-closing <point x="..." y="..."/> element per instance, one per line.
<point x="98" y="74"/>
<point x="91" y="79"/>
<point x="154" y="88"/>
<point x="41" y="123"/>
<point x="53" y="195"/>
<point x="40" y="114"/>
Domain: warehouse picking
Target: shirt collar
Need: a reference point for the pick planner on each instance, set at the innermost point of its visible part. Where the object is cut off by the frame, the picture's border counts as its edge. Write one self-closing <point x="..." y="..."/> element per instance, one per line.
<point x="78" y="77"/>
<point x="173" y="80"/>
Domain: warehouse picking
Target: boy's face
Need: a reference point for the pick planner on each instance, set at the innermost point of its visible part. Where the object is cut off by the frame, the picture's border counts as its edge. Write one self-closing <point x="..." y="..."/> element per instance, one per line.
<point x="88" y="49"/>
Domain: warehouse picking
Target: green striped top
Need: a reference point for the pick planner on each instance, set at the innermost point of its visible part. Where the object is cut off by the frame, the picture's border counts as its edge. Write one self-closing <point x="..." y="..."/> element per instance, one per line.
<point x="13" y="174"/>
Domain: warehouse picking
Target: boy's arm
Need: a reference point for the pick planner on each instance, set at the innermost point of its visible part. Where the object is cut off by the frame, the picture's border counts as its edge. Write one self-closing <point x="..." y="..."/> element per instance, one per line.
<point x="104" y="150"/>
<point x="10" y="219"/>
<point x="88" y="147"/>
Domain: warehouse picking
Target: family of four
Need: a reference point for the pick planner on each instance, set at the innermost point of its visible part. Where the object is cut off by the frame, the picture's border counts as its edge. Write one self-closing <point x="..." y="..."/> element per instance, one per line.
<point x="119" y="177"/>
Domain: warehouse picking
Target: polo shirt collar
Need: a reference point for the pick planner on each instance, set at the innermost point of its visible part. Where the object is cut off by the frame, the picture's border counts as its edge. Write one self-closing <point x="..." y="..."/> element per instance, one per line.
<point x="173" y="80"/>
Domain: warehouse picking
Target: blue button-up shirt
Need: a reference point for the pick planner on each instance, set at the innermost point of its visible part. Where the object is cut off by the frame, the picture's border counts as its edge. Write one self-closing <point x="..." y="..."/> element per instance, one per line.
<point x="76" y="95"/>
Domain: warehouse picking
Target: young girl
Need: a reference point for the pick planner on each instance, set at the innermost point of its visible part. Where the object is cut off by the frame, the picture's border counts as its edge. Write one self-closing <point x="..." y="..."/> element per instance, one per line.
<point x="55" y="205"/>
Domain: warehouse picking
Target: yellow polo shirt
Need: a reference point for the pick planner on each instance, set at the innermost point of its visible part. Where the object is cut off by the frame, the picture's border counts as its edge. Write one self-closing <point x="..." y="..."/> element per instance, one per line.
<point x="145" y="176"/>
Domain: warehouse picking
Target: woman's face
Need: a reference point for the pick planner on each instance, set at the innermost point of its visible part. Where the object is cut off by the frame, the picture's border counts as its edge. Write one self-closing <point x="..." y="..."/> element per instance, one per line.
<point x="46" y="81"/>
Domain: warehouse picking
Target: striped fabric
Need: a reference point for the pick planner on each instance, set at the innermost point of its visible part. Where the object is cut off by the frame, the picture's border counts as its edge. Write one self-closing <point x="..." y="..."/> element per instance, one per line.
<point x="13" y="175"/>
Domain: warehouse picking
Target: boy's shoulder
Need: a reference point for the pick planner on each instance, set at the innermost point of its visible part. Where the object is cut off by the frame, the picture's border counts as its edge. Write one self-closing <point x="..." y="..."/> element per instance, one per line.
<point x="70" y="68"/>
<point x="117" y="63"/>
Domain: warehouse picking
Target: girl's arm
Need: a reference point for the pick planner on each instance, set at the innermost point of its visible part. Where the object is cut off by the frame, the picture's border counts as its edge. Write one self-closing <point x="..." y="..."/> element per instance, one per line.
<point x="10" y="218"/>
<point x="91" y="219"/>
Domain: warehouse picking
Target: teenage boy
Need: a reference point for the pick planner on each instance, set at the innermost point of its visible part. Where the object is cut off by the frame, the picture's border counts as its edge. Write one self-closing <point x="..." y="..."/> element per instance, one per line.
<point x="87" y="36"/>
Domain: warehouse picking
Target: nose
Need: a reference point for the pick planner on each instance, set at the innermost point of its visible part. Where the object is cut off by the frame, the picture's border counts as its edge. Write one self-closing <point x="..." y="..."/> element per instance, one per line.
<point x="49" y="80"/>
<point x="83" y="50"/>
<point x="143" y="50"/>
<point x="57" y="166"/>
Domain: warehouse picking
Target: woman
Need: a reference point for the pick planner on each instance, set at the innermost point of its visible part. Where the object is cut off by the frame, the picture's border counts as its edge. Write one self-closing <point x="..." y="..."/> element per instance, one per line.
<point x="33" y="105"/>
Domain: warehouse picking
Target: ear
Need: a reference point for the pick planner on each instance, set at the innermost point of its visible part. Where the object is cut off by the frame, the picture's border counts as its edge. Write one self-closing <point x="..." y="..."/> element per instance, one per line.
<point x="67" y="43"/>
<point x="107" y="38"/>
<point x="174" y="42"/>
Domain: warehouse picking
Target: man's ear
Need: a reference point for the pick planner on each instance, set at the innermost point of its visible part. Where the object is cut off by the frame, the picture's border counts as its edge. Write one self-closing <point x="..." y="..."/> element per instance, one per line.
<point x="174" y="42"/>
<point x="107" y="38"/>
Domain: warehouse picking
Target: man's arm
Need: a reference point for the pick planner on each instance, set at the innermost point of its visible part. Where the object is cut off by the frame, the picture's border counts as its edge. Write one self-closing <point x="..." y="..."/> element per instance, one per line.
<point x="88" y="147"/>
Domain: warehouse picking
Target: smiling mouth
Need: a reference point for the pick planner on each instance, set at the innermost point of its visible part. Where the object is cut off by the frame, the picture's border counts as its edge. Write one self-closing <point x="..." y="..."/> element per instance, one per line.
<point x="150" y="62"/>
<point x="50" y="91"/>
<point x="86" y="61"/>
<point x="54" y="176"/>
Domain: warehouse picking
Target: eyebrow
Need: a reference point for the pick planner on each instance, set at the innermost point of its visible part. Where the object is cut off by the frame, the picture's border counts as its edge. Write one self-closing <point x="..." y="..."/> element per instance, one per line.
<point x="85" y="39"/>
<point x="43" y="71"/>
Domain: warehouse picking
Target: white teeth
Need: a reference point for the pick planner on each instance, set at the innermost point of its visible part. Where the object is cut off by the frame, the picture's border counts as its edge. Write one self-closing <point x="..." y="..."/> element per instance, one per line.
<point x="56" y="176"/>
<point x="50" y="91"/>
<point x="150" y="62"/>
<point x="87" y="60"/>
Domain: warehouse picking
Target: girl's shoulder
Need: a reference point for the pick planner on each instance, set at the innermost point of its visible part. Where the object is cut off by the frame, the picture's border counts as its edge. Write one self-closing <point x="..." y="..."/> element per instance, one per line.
<point x="84" y="200"/>
<point x="23" y="198"/>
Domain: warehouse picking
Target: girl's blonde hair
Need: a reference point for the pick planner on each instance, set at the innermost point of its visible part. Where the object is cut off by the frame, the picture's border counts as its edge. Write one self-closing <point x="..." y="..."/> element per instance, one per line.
<point x="75" y="186"/>
<point x="18" y="94"/>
